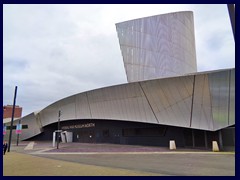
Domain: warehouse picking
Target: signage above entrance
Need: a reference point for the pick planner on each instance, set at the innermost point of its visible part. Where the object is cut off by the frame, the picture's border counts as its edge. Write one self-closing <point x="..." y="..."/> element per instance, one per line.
<point x="78" y="126"/>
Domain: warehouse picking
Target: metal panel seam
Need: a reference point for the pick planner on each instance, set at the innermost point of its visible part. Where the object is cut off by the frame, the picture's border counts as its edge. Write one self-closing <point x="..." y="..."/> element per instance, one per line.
<point x="192" y="100"/>
<point x="229" y="87"/>
<point x="148" y="101"/>
<point x="211" y="105"/>
<point x="89" y="105"/>
<point x="75" y="106"/>
<point x="38" y="121"/>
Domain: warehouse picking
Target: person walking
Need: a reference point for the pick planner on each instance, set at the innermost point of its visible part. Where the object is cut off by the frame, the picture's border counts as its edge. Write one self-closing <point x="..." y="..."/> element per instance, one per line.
<point x="5" y="146"/>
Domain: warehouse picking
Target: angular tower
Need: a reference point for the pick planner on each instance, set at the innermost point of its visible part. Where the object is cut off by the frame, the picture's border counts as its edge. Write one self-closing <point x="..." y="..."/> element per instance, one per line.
<point x="158" y="46"/>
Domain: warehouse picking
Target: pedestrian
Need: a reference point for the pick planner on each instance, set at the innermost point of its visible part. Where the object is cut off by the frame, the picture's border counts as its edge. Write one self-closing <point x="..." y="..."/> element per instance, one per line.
<point x="5" y="146"/>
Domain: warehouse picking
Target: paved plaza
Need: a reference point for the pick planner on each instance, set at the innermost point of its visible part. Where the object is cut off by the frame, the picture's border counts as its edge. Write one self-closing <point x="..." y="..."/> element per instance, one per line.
<point x="82" y="159"/>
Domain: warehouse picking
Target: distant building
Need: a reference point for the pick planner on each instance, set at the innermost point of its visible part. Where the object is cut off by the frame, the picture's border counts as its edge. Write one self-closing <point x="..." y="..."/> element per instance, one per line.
<point x="7" y="111"/>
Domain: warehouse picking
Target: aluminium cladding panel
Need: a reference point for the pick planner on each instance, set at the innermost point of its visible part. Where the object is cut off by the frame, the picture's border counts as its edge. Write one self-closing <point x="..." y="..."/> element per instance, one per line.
<point x="14" y="136"/>
<point x="32" y="130"/>
<point x="232" y="99"/>
<point x="122" y="102"/>
<point x="201" y="110"/>
<point x="82" y="106"/>
<point x="170" y="99"/>
<point x="67" y="106"/>
<point x="34" y="127"/>
<point x="158" y="46"/>
<point x="219" y="90"/>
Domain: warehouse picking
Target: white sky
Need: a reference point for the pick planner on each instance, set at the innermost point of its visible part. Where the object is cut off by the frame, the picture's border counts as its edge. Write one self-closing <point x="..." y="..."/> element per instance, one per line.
<point x="53" y="51"/>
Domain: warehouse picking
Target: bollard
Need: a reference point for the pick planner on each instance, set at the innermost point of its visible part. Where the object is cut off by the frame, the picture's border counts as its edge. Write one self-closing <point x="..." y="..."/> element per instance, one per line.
<point x="215" y="147"/>
<point x="172" y="145"/>
<point x="54" y="138"/>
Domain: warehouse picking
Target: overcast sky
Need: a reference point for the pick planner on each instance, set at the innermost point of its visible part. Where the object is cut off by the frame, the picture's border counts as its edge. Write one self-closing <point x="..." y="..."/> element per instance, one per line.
<point x="53" y="51"/>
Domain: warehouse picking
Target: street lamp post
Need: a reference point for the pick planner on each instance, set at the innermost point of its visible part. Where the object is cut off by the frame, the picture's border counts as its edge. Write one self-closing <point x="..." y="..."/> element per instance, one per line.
<point x="11" y="127"/>
<point x="58" y="133"/>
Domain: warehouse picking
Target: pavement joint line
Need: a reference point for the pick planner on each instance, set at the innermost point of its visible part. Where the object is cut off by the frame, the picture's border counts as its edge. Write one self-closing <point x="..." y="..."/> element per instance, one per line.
<point x="43" y="150"/>
<point x="110" y="153"/>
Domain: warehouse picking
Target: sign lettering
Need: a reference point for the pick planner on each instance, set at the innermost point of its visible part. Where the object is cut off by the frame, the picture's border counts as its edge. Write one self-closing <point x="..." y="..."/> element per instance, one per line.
<point x="79" y="126"/>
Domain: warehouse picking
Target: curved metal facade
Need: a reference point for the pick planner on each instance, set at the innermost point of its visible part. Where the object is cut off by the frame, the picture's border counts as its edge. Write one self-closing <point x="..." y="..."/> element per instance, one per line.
<point x="158" y="46"/>
<point x="199" y="101"/>
<point x="153" y="47"/>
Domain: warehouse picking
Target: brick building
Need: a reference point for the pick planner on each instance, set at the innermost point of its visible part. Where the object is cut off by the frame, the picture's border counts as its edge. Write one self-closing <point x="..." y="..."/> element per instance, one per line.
<point x="7" y="111"/>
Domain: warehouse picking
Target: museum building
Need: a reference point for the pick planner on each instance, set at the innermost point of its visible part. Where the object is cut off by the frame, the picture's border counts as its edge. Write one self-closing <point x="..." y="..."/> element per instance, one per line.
<point x="165" y="97"/>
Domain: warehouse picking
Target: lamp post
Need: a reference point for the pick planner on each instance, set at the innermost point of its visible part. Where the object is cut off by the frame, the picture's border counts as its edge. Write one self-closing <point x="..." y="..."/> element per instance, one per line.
<point x="11" y="127"/>
<point x="58" y="133"/>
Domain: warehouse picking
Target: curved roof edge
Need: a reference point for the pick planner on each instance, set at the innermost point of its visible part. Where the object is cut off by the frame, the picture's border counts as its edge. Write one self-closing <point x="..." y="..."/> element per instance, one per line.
<point x="164" y="101"/>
